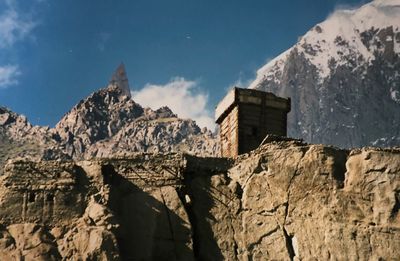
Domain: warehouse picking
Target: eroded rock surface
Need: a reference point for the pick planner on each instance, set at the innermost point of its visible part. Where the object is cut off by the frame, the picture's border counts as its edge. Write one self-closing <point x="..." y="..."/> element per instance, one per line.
<point x="306" y="201"/>
<point x="286" y="200"/>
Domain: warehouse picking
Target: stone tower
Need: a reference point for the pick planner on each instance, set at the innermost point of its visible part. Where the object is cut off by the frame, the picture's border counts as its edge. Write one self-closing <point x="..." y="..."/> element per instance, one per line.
<point x="246" y="116"/>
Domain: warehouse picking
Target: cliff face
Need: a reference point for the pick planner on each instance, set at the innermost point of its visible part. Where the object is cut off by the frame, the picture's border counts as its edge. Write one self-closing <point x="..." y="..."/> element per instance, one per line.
<point x="286" y="200"/>
<point x="315" y="201"/>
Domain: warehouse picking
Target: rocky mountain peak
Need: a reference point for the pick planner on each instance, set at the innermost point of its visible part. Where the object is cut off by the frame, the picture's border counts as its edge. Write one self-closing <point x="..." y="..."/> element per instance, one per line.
<point x="96" y="118"/>
<point x="120" y="79"/>
<point x="6" y="116"/>
<point x="18" y="127"/>
<point x="108" y="122"/>
<point x="165" y="112"/>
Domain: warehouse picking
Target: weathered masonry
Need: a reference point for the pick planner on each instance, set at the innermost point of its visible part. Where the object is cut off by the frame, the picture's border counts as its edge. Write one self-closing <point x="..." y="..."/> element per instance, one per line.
<point x="246" y="116"/>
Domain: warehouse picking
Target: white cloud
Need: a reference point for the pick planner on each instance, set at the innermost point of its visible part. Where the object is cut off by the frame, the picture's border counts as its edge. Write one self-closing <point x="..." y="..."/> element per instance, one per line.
<point x="13" y="25"/>
<point x="8" y="75"/>
<point x="183" y="97"/>
<point x="242" y="81"/>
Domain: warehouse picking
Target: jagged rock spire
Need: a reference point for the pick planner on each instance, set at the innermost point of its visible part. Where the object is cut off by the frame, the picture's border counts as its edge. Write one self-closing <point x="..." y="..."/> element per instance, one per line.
<point x="120" y="79"/>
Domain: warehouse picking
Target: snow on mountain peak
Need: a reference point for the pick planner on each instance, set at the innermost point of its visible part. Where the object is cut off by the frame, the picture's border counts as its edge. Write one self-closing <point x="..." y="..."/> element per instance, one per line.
<point x="386" y="3"/>
<point x="339" y="38"/>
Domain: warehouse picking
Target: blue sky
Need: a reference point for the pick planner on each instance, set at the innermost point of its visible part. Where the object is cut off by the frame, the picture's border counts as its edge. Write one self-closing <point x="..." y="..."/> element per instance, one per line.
<point x="54" y="53"/>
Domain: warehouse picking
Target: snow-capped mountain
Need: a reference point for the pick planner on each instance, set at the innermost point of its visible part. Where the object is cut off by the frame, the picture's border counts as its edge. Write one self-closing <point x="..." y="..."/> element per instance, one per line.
<point x="343" y="77"/>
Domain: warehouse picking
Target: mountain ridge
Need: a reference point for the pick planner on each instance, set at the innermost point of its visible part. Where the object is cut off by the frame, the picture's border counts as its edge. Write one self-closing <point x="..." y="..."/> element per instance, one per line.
<point x="342" y="77"/>
<point x="104" y="124"/>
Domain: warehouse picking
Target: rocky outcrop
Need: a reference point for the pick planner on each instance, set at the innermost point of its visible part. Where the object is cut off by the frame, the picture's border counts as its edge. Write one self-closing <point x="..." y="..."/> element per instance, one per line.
<point x="287" y="200"/>
<point x="342" y="78"/>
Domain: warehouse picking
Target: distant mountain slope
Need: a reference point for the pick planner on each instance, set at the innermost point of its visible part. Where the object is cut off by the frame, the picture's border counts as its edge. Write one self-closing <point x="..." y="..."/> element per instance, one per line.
<point x="157" y="133"/>
<point x="344" y="78"/>
<point x="18" y="138"/>
<point x="109" y="122"/>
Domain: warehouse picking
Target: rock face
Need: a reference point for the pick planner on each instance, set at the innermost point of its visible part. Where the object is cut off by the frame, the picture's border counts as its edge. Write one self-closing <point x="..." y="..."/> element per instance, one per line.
<point x="303" y="201"/>
<point x="342" y="77"/>
<point x="116" y="209"/>
<point x="286" y="200"/>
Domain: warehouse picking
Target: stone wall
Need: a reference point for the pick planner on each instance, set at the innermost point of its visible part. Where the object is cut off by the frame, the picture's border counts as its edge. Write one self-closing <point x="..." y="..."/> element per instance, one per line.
<point x="42" y="192"/>
<point x="284" y="201"/>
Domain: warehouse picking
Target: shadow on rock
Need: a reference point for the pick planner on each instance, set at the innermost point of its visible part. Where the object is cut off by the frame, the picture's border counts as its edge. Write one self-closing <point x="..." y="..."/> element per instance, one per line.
<point x="153" y="222"/>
